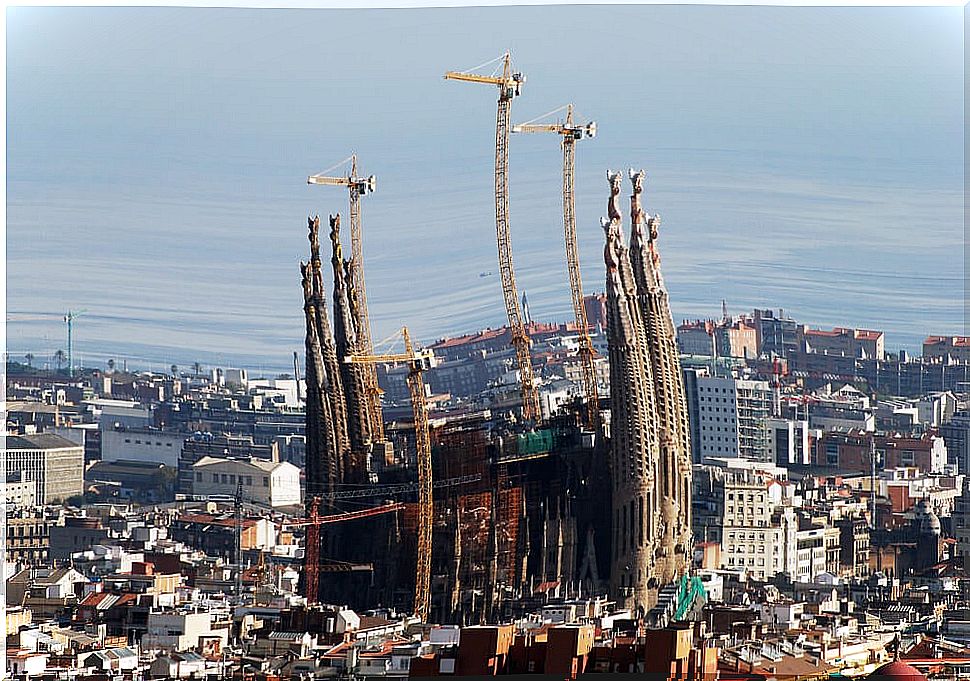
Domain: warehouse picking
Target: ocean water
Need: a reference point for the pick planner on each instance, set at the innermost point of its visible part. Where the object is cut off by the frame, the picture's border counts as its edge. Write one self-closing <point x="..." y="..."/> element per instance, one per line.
<point x="805" y="159"/>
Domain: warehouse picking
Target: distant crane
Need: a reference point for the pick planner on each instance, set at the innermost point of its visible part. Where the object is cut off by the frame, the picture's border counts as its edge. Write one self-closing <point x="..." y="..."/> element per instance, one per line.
<point x="570" y="132"/>
<point x="359" y="186"/>
<point x="509" y="85"/>
<point x="69" y="318"/>
<point x="417" y="363"/>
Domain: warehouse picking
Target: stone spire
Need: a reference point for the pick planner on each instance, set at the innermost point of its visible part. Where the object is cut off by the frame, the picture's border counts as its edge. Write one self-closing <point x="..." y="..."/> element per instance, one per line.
<point x="649" y="451"/>
<point x="327" y="423"/>
<point x="674" y="470"/>
<point x="321" y="472"/>
<point x="633" y="443"/>
<point x="346" y="340"/>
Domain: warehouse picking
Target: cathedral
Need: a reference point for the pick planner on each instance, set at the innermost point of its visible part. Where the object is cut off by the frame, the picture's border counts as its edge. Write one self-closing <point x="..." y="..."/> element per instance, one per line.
<point x="649" y="436"/>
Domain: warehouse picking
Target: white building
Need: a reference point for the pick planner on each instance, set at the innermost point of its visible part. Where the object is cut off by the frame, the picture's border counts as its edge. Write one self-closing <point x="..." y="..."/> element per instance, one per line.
<point x="126" y="413"/>
<point x="180" y="630"/>
<point x="141" y="444"/>
<point x="729" y="418"/>
<point x="54" y="464"/>
<point x="555" y="395"/>
<point x="273" y="483"/>
<point x="758" y="526"/>
<point x="19" y="492"/>
<point x="790" y="441"/>
<point x="282" y="392"/>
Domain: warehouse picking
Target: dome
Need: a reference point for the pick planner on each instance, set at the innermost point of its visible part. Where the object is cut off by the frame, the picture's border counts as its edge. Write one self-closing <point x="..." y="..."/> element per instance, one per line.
<point x="896" y="670"/>
<point x="925" y="520"/>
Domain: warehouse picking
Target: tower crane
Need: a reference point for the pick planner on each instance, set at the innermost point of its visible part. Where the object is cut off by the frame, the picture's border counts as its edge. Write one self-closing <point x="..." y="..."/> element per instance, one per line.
<point x="69" y="318"/>
<point x="570" y="132"/>
<point x="417" y="363"/>
<point x="358" y="186"/>
<point x="314" y="520"/>
<point x="509" y="86"/>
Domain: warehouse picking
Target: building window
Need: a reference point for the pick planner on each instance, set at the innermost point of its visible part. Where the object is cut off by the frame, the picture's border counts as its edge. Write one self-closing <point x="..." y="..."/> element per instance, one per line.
<point x="265" y="481"/>
<point x="198" y="477"/>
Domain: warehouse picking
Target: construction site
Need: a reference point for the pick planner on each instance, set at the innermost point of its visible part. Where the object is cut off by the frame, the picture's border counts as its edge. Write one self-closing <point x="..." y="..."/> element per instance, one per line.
<point x="471" y="517"/>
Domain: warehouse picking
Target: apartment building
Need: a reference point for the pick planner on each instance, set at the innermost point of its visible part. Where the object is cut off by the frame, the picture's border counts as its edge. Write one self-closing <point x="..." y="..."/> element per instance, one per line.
<point x="729" y="417"/>
<point x="54" y="463"/>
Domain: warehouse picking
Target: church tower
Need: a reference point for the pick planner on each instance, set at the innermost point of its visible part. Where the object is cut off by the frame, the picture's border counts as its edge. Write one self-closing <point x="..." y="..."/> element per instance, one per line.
<point x="649" y="446"/>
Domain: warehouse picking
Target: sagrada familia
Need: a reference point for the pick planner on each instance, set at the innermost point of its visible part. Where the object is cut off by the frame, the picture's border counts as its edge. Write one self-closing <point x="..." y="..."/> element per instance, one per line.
<point x="649" y="435"/>
<point x="621" y="507"/>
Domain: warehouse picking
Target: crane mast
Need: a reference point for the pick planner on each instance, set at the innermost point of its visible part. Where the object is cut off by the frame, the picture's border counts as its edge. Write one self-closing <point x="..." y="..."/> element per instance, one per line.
<point x="417" y="362"/>
<point x="358" y="186"/>
<point x="570" y="133"/>
<point x="509" y="85"/>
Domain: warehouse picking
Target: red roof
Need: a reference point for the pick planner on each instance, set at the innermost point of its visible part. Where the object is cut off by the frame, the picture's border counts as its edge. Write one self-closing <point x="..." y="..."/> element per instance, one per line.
<point x="955" y="341"/>
<point x="896" y="670"/>
<point x="94" y="598"/>
<point x="487" y="334"/>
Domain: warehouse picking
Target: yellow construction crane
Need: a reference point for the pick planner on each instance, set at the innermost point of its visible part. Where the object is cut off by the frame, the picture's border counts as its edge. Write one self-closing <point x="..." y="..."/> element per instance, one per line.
<point x="570" y="132"/>
<point x="509" y="85"/>
<point x="417" y="363"/>
<point x="359" y="186"/>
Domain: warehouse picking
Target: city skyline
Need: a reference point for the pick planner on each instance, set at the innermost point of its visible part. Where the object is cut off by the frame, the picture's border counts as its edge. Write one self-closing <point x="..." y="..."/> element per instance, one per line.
<point x="182" y="225"/>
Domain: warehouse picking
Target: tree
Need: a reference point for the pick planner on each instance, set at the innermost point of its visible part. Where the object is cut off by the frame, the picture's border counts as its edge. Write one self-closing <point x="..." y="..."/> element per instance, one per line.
<point x="111" y="365"/>
<point x="175" y="369"/>
<point x="59" y="359"/>
<point x="30" y="359"/>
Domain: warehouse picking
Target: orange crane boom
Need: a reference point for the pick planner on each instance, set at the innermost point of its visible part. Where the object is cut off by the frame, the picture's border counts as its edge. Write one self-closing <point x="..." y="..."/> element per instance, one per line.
<point x="311" y="568"/>
<point x="570" y="132"/>
<point x="509" y="85"/>
<point x="417" y="362"/>
<point x="359" y="186"/>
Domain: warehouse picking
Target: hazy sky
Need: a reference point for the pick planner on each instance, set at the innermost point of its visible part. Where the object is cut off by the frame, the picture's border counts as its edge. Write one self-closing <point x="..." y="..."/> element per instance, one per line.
<point x="804" y="158"/>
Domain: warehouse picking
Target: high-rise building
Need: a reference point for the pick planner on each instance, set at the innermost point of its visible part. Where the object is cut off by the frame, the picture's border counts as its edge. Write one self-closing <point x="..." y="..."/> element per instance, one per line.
<point x="748" y="507"/>
<point x="729" y="417"/>
<point x="791" y="441"/>
<point x="777" y="334"/>
<point x="54" y="463"/>
<point x="649" y="437"/>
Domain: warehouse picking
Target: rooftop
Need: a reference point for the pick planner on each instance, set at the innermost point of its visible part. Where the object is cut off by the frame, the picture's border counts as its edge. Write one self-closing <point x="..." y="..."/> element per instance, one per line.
<point x="40" y="441"/>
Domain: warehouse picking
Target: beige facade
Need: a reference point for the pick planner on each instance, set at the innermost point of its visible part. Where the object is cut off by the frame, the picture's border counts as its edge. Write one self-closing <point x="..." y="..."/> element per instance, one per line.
<point x="54" y="463"/>
<point x="271" y="483"/>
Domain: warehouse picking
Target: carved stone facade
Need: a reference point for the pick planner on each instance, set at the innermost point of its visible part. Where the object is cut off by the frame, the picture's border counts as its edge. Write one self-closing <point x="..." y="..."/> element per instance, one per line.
<point x="650" y="447"/>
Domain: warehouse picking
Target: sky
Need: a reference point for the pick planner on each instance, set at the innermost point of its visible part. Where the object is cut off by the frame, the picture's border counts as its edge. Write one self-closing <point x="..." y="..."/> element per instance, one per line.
<point x="809" y="159"/>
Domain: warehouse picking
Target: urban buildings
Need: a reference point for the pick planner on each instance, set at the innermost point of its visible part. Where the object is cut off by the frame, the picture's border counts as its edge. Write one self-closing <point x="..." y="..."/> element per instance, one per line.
<point x="947" y="347"/>
<point x="272" y="483"/>
<point x="729" y="417"/>
<point x="55" y="465"/>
